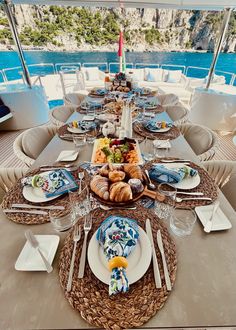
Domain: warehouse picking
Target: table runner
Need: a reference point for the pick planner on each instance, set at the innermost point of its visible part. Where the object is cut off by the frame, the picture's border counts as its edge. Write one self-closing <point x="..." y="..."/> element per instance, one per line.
<point x="90" y="297"/>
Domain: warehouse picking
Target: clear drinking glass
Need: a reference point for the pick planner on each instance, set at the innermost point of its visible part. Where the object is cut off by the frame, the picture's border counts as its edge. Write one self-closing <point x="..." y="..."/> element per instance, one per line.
<point x="164" y="209"/>
<point x="182" y="221"/>
<point x="160" y="151"/>
<point x="80" y="201"/>
<point x="63" y="220"/>
<point x="79" y="141"/>
<point x="148" y="153"/>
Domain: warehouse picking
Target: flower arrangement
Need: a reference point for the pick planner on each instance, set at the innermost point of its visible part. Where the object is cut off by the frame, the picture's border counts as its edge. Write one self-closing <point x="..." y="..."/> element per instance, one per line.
<point x="120" y="76"/>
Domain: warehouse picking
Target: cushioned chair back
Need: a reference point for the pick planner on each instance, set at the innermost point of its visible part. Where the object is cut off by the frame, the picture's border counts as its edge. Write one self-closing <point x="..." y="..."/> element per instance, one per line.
<point x="229" y="190"/>
<point x="8" y="177"/>
<point x="198" y="137"/>
<point x="35" y="140"/>
<point x="224" y="174"/>
<point x="59" y="115"/>
<point x="178" y="113"/>
<point x="168" y="99"/>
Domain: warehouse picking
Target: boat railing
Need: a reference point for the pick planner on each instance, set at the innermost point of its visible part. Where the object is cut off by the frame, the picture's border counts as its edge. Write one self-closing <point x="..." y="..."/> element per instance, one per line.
<point x="146" y="65"/>
<point x="114" y="66"/>
<point x="173" y="67"/>
<point x="58" y="66"/>
<point x="2" y="77"/>
<point x="41" y="69"/>
<point x="101" y="66"/>
<point x="200" y="72"/>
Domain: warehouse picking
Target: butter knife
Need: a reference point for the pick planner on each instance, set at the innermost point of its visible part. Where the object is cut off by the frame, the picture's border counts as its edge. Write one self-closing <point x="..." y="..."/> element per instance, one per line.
<point x="156" y="271"/>
<point x="166" y="272"/>
<point x="39" y="212"/>
<point x="35" y="244"/>
<point x="36" y="207"/>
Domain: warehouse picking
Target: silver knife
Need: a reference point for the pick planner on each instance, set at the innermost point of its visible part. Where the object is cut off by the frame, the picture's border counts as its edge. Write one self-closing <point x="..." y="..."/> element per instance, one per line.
<point x="166" y="272"/>
<point x="156" y="271"/>
<point x="39" y="212"/>
<point x="36" y="207"/>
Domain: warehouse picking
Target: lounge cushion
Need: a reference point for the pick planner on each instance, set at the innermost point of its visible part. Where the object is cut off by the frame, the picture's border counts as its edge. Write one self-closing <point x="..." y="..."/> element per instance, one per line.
<point x="174" y="76"/>
<point x="34" y="141"/>
<point x="153" y="75"/>
<point x="199" y="138"/>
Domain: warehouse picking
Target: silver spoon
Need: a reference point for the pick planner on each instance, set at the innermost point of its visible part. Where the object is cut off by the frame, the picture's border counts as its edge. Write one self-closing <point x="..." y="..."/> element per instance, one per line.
<point x="151" y="186"/>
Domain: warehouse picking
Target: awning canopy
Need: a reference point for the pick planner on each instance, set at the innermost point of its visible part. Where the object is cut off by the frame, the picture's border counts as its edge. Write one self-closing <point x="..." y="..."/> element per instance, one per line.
<point x="172" y="4"/>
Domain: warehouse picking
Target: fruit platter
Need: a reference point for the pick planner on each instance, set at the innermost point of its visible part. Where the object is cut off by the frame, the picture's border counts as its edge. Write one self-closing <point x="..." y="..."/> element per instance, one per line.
<point x="118" y="151"/>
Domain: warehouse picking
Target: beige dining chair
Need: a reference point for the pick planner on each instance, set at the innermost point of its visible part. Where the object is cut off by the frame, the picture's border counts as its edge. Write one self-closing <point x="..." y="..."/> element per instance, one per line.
<point x="8" y="177"/>
<point x="74" y="99"/>
<point x="201" y="139"/>
<point x="178" y="113"/>
<point x="29" y="144"/>
<point x="59" y="115"/>
<point x="224" y="174"/>
<point x="167" y="100"/>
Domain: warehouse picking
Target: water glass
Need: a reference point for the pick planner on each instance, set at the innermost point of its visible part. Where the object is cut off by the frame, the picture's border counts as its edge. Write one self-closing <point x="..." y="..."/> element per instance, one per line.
<point x="90" y="138"/>
<point x="164" y="209"/>
<point x="79" y="141"/>
<point x="182" y="221"/>
<point x="63" y="220"/>
<point x="160" y="151"/>
<point x="80" y="201"/>
<point x="148" y="154"/>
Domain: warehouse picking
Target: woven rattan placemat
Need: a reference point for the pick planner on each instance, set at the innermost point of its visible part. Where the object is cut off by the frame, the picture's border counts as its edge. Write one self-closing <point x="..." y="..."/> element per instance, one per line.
<point x="206" y="185"/>
<point x="173" y="133"/>
<point x="90" y="297"/>
<point x="14" y="195"/>
<point x="64" y="134"/>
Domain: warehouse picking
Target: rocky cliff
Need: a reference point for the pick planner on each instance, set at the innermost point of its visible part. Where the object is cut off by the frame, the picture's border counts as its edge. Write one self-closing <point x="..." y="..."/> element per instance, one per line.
<point x="70" y="28"/>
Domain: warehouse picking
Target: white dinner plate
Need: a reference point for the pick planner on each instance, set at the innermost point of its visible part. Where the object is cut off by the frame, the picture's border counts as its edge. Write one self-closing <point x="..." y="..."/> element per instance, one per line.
<point x="36" y="195"/>
<point x="219" y="221"/>
<point x="29" y="258"/>
<point x="77" y="130"/>
<point x="138" y="260"/>
<point x="186" y="183"/>
<point x="161" y="130"/>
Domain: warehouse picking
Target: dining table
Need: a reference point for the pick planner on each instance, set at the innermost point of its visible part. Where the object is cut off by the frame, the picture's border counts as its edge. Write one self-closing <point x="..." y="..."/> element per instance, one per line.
<point x="204" y="293"/>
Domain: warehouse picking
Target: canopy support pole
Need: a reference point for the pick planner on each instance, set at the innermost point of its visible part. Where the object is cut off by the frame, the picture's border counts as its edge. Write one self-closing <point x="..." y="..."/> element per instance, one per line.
<point x="224" y="28"/>
<point x="8" y="11"/>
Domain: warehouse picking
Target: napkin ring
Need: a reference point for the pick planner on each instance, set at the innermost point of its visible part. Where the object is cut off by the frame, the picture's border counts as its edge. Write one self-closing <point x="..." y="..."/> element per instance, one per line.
<point x="117" y="262"/>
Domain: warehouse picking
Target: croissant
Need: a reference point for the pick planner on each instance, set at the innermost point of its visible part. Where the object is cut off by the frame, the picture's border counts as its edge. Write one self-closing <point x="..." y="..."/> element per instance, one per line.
<point x="120" y="192"/>
<point x="104" y="171"/>
<point x="133" y="171"/>
<point x="100" y="185"/>
<point x="116" y="176"/>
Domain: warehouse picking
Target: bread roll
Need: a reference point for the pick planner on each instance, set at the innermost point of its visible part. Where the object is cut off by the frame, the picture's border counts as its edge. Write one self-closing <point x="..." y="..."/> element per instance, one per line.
<point x="100" y="186"/>
<point x="116" y="176"/>
<point x="120" y="192"/>
<point x="133" y="171"/>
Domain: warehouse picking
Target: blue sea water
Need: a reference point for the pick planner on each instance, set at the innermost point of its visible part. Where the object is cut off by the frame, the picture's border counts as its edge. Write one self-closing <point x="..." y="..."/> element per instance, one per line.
<point x="226" y="62"/>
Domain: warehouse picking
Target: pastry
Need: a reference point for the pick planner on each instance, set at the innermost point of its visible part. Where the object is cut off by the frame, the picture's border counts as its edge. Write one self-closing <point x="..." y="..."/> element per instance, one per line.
<point x="100" y="185"/>
<point x="120" y="192"/>
<point x="104" y="171"/>
<point x="126" y="89"/>
<point x="136" y="185"/>
<point x="133" y="171"/>
<point x="115" y="176"/>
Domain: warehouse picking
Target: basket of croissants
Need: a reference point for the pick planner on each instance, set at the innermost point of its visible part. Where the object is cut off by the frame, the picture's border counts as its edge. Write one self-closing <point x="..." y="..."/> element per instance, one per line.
<point x="118" y="184"/>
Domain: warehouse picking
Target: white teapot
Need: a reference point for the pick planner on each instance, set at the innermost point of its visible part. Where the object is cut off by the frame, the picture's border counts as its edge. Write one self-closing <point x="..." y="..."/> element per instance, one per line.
<point x="108" y="129"/>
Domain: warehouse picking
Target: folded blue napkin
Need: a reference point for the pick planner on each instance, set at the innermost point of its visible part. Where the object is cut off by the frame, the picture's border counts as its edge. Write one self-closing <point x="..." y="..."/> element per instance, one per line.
<point x="118" y="236"/>
<point x="155" y="126"/>
<point x="52" y="183"/>
<point x="160" y="173"/>
<point x="87" y="125"/>
<point x="101" y="91"/>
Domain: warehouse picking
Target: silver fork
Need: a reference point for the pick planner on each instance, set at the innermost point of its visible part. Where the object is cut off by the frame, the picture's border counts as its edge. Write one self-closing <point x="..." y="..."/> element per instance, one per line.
<point x="87" y="227"/>
<point x="76" y="238"/>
